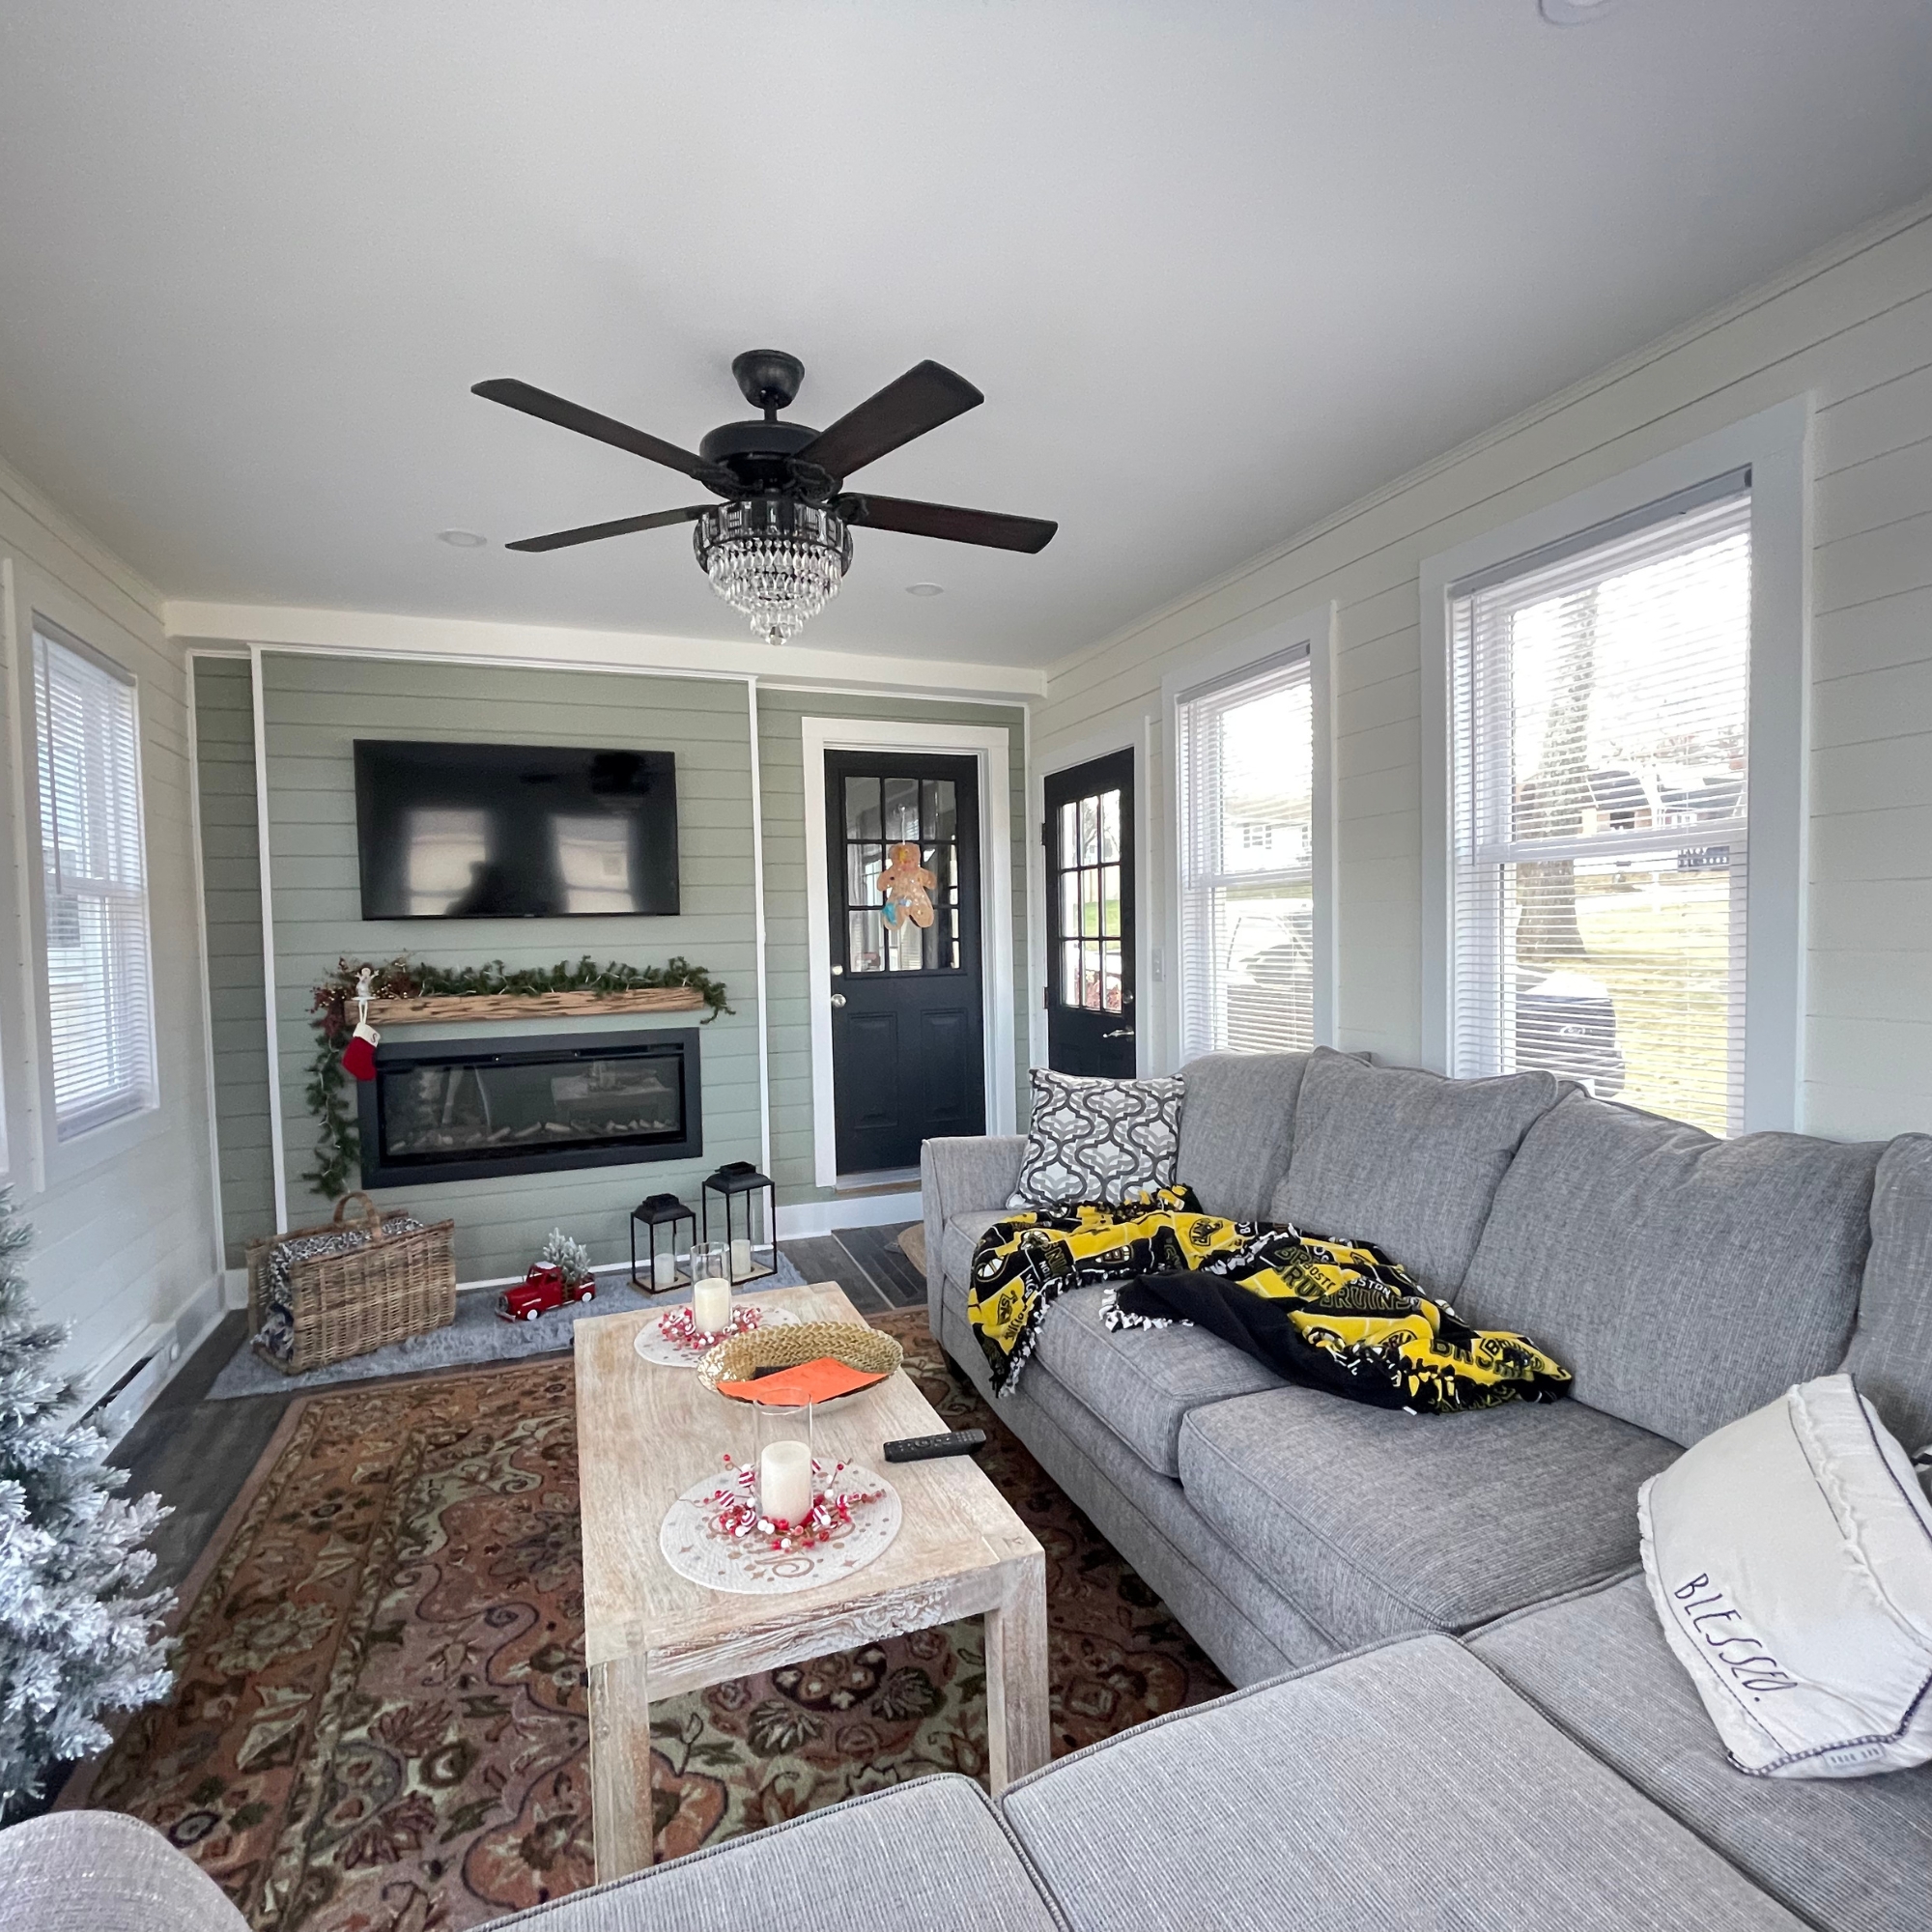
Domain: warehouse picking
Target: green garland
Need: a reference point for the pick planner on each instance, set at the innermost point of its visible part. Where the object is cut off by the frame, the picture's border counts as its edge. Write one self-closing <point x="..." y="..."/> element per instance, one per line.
<point x="338" y="1145"/>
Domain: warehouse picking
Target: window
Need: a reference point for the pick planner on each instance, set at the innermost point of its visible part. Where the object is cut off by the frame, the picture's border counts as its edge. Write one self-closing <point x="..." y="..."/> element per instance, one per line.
<point x="1086" y="859"/>
<point x="1600" y="697"/>
<point x="99" y="1010"/>
<point x="1246" y="751"/>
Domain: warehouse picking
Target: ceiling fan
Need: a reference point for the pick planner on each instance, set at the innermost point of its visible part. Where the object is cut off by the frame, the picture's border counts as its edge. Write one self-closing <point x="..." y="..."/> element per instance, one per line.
<point x="779" y="545"/>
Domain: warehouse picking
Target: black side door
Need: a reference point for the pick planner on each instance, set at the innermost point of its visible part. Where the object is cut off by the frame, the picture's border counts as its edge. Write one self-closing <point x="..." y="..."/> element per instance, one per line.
<point x="1090" y="895"/>
<point x="908" y="1059"/>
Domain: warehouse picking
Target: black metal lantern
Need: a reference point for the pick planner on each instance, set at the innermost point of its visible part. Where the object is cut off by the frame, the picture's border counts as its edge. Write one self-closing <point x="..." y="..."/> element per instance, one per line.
<point x="738" y="1181"/>
<point x="662" y="1272"/>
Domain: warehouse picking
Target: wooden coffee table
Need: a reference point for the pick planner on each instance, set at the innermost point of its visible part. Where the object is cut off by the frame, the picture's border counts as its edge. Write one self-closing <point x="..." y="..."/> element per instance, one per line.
<point x="645" y="1434"/>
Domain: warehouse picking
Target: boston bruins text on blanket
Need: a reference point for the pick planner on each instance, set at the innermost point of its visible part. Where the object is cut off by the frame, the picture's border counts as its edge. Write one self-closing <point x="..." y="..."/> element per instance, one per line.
<point x="1341" y="1315"/>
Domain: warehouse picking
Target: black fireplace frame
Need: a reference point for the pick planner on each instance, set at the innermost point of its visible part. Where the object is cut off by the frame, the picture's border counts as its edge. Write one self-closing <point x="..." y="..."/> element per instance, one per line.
<point x="678" y="1044"/>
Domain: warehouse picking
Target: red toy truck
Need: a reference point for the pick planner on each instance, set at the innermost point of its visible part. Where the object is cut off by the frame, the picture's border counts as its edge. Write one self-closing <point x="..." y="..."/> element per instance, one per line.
<point x="540" y="1290"/>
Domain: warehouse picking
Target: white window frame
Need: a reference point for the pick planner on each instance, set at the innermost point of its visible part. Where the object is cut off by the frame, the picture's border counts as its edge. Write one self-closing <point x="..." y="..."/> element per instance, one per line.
<point x="1774" y="446"/>
<point x="59" y="1154"/>
<point x="1311" y="632"/>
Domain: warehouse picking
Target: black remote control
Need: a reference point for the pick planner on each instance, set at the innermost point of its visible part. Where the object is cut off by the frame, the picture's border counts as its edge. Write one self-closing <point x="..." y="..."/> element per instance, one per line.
<point x="917" y="1448"/>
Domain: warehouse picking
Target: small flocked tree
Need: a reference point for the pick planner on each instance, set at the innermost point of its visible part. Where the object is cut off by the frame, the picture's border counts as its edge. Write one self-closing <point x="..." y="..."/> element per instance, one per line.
<point x="77" y="1635"/>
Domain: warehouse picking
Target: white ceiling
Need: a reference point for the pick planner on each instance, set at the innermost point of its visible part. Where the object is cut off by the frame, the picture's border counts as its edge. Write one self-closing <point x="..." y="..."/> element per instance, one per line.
<point x="1219" y="268"/>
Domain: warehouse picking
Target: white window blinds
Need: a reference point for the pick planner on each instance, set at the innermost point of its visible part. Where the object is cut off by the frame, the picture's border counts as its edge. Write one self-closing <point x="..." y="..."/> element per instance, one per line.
<point x="1244" y="762"/>
<point x="98" y="1004"/>
<point x="1600" y="697"/>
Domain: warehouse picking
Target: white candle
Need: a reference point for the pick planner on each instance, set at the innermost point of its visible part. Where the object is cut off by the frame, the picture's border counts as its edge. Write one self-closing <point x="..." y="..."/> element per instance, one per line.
<point x="784" y="1482"/>
<point x="741" y="1260"/>
<point x="711" y="1306"/>
<point x="664" y="1271"/>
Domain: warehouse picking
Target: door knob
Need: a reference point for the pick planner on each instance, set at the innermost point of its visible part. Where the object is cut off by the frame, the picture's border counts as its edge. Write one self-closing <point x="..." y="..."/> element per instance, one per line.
<point x="1119" y="1033"/>
<point x="839" y="999"/>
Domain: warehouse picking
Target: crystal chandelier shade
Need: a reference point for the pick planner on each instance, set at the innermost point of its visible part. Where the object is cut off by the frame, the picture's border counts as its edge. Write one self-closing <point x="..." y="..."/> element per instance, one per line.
<point x="777" y="560"/>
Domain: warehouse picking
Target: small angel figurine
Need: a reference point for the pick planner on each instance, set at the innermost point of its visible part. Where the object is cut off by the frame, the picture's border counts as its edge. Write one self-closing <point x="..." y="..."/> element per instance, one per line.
<point x="905" y="883"/>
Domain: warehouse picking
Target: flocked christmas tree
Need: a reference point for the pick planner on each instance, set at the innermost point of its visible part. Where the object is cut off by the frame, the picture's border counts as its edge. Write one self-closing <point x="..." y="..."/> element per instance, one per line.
<point x="77" y="1635"/>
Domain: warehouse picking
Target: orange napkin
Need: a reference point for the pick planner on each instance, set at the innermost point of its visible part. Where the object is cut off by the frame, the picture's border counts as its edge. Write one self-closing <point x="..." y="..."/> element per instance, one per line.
<point x="816" y="1380"/>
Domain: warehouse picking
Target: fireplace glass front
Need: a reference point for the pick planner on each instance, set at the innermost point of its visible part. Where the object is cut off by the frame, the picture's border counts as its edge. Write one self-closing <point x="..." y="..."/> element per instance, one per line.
<point x="462" y="1110"/>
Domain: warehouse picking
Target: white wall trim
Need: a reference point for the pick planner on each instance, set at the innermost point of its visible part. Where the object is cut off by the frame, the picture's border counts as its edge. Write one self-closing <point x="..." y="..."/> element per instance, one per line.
<point x="800" y="1220"/>
<point x="561" y="647"/>
<point x="1775" y="443"/>
<point x="756" y="754"/>
<point x="992" y="746"/>
<point x="1134" y="733"/>
<point x="277" y="1147"/>
<point x="25" y="1141"/>
<point x="218" y="1234"/>
<point x="1313" y="629"/>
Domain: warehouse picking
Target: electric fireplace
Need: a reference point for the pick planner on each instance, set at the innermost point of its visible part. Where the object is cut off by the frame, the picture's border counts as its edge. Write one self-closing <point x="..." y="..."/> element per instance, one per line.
<point x="470" y="1109"/>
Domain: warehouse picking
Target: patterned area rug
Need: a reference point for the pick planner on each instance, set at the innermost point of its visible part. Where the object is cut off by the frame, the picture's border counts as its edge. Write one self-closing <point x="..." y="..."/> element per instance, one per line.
<point x="379" y="1718"/>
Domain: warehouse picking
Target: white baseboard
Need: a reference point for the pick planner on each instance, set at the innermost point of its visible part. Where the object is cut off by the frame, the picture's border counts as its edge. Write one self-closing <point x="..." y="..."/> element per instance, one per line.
<point x="805" y="1218"/>
<point x="164" y="1347"/>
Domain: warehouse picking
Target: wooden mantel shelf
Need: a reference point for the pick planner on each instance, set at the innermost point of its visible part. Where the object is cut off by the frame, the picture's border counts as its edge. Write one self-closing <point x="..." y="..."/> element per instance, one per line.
<point x="483" y="1006"/>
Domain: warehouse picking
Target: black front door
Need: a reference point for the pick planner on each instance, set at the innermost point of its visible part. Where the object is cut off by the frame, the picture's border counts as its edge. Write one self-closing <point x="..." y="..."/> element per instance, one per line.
<point x="1090" y="895"/>
<point x="907" y="1060"/>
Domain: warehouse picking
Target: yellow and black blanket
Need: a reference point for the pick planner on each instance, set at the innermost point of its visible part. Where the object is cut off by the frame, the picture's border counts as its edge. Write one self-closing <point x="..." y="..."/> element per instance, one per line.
<point x="1334" y="1315"/>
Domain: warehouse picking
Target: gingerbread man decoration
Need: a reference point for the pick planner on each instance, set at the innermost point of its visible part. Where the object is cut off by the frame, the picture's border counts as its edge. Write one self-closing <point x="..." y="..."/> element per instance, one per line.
<point x="905" y="883"/>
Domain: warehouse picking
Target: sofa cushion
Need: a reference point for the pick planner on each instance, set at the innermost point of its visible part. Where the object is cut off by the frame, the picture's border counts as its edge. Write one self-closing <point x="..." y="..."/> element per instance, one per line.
<point x="1097" y="1140"/>
<point x="932" y="1854"/>
<point x="963" y="1235"/>
<point x="1377" y="1523"/>
<point x="1405" y="1159"/>
<point x="1236" y="1126"/>
<point x="1140" y="1383"/>
<point x="1890" y="1357"/>
<point x="1684" y="1281"/>
<point x="1850" y="1855"/>
<point x="1409" y="1787"/>
<point x="99" y="1872"/>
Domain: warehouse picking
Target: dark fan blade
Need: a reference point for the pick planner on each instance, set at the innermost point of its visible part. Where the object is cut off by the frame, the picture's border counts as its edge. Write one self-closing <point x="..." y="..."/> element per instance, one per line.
<point x="623" y="527"/>
<point x="921" y="399"/>
<point x="515" y="395"/>
<point x="941" y="520"/>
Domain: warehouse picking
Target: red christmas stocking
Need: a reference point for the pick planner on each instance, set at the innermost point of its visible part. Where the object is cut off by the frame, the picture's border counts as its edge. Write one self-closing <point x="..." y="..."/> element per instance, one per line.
<point x="358" y="1057"/>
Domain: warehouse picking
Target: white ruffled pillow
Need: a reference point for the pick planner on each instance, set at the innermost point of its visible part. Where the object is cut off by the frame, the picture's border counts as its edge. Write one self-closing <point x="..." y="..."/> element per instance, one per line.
<point x="1789" y="1556"/>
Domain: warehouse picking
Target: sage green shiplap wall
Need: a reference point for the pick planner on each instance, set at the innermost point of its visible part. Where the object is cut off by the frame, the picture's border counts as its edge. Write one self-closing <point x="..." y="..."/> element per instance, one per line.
<point x="782" y="780"/>
<point x="232" y="882"/>
<point x="314" y="709"/>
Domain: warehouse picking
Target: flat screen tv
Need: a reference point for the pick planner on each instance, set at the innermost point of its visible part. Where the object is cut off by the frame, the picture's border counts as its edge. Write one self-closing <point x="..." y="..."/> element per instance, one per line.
<point x="513" y="831"/>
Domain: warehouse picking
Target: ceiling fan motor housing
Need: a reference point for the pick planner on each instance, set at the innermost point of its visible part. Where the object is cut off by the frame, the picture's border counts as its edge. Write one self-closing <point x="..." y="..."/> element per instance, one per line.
<point x="773" y="519"/>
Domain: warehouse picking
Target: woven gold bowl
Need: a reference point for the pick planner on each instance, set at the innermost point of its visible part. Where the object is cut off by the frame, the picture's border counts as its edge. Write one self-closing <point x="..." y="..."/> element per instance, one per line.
<point x="849" y="1342"/>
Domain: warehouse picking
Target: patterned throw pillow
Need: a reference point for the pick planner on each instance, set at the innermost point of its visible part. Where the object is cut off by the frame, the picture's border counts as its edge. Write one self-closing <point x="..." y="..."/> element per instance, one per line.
<point x="1097" y="1140"/>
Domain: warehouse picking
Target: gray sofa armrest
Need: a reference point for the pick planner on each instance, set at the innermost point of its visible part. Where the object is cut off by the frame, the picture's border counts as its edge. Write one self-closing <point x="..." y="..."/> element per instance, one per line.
<point x="954" y="1178"/>
<point x="101" y="1871"/>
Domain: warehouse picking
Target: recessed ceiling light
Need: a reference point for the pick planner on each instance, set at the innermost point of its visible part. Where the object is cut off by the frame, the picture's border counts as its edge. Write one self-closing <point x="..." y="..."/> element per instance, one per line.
<point x="923" y="589"/>
<point x="462" y="539"/>
<point x="1575" y="12"/>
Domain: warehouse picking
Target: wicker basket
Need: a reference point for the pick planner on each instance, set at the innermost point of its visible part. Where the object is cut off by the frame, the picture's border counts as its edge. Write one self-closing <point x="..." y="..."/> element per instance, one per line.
<point x="852" y="1342"/>
<point x="391" y="1286"/>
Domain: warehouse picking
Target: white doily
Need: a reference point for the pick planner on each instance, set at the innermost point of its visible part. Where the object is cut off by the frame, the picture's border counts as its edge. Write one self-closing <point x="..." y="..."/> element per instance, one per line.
<point x="747" y="1566"/>
<point x="652" y="1346"/>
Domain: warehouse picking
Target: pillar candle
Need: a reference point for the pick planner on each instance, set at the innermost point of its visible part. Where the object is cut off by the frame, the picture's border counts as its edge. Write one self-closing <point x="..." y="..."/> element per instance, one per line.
<point x="784" y="1482"/>
<point x="741" y="1260"/>
<point x="711" y="1306"/>
<point x="664" y="1271"/>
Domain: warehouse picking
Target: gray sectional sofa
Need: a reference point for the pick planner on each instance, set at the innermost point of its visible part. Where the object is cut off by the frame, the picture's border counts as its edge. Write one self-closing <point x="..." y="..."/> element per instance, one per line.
<point x="1461" y="1712"/>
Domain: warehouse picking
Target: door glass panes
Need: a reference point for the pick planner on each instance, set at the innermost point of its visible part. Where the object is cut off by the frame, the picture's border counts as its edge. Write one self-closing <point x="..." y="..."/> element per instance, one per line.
<point x="1087" y="896"/>
<point x="879" y="813"/>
